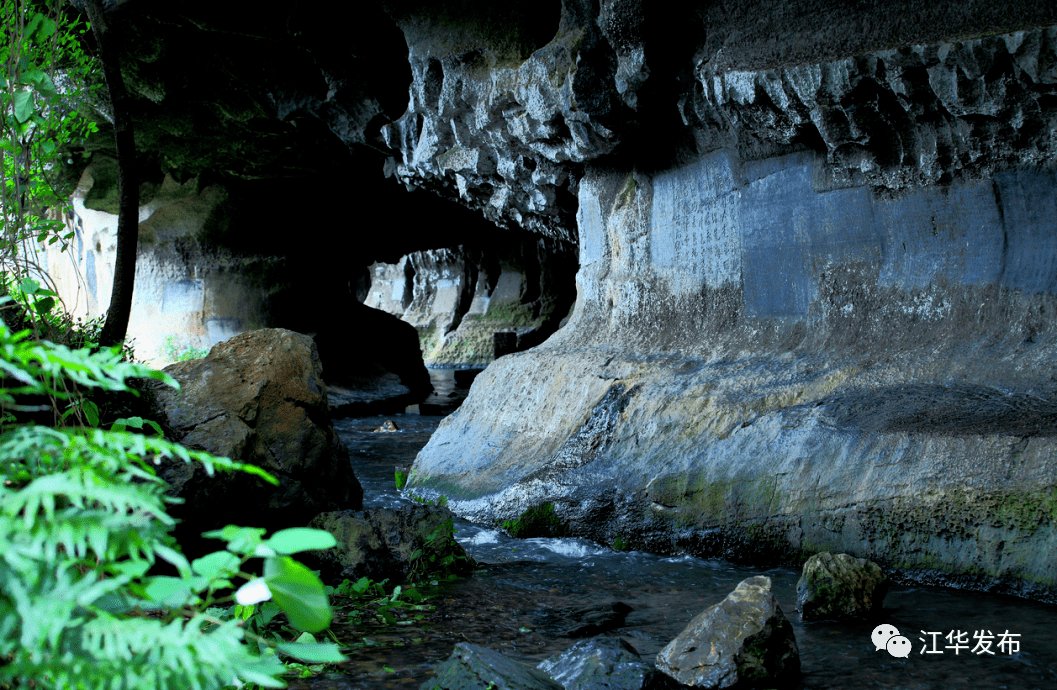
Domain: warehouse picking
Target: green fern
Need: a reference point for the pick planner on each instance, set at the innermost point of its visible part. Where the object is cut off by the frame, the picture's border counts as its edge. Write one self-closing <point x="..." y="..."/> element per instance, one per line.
<point x="82" y="520"/>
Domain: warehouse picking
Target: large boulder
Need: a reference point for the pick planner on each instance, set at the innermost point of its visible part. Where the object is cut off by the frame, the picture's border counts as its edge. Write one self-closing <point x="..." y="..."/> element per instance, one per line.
<point x="743" y="639"/>
<point x="382" y="543"/>
<point x="840" y="586"/>
<point x="604" y="663"/>
<point x="257" y="398"/>
<point x="472" y="667"/>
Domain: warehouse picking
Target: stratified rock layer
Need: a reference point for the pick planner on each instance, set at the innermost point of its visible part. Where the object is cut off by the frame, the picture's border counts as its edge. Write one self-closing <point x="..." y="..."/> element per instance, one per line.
<point x="829" y="324"/>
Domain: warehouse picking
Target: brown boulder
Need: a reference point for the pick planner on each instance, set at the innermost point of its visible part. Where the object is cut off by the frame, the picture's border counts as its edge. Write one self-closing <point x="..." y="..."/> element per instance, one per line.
<point x="381" y="543"/>
<point x="257" y="398"/>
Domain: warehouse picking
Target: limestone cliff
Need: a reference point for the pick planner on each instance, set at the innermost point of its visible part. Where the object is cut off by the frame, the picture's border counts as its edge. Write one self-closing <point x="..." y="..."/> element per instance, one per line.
<point x="823" y="318"/>
<point x="817" y="249"/>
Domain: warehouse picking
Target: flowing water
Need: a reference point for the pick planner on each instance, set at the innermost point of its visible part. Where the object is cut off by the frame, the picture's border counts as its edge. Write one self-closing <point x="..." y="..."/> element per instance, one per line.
<point x="515" y="604"/>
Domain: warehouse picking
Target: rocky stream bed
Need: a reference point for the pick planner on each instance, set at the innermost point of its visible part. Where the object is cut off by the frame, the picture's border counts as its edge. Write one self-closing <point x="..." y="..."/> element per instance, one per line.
<point x="524" y="598"/>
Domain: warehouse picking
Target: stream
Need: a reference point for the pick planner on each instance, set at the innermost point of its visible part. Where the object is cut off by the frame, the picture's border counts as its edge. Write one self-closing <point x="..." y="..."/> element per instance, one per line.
<point x="515" y="601"/>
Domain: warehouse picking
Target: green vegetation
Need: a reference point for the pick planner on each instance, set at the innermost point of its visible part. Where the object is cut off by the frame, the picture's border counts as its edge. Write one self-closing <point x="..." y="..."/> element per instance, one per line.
<point x="49" y="79"/>
<point x="83" y="524"/>
<point x="172" y="352"/>
<point x="537" y="521"/>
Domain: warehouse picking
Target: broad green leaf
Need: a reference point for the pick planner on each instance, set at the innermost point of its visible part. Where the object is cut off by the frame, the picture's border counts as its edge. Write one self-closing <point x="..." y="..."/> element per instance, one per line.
<point x="34" y="23"/>
<point x="297" y="539"/>
<point x="29" y="286"/>
<point x="175" y="558"/>
<point x="313" y="653"/>
<point x="299" y="592"/>
<point x="216" y="564"/>
<point x="361" y="585"/>
<point x="172" y="592"/>
<point x="46" y="86"/>
<point x="44" y="306"/>
<point x="269" y="610"/>
<point x="91" y="412"/>
<point x="23" y="105"/>
<point x="242" y="540"/>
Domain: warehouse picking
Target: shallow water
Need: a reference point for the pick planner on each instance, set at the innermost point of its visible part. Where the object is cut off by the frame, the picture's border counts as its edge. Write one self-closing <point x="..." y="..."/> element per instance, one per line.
<point x="512" y="605"/>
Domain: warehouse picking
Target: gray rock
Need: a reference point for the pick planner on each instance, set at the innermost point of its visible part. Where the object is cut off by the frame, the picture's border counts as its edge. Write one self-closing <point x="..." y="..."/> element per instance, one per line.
<point x="257" y="398"/>
<point x="472" y="667"/>
<point x="604" y="663"/>
<point x="840" y="586"/>
<point x="591" y="620"/>
<point x="380" y="543"/>
<point x="743" y="639"/>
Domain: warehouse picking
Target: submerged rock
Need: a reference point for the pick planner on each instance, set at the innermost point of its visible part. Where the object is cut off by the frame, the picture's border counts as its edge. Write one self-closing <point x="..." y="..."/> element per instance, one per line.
<point x="589" y="621"/>
<point x="472" y="667"/>
<point x="257" y="398"/>
<point x="604" y="663"/>
<point x="840" y="586"/>
<point x="383" y="543"/>
<point x="743" y="639"/>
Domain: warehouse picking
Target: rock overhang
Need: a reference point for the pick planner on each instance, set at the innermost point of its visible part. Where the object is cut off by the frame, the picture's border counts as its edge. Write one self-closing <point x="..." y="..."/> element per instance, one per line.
<point x="760" y="195"/>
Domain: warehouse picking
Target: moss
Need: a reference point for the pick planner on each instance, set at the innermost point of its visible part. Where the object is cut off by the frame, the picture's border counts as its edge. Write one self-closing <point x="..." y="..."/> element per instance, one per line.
<point x="627" y="193"/>
<point x="537" y="521"/>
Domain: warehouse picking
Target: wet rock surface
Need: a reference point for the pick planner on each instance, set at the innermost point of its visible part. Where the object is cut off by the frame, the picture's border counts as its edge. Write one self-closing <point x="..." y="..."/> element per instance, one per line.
<point x="588" y="621"/>
<point x="472" y="667"/>
<point x="604" y="663"/>
<point x="257" y="398"/>
<point x="382" y="543"/>
<point x="744" y="639"/>
<point x="835" y="586"/>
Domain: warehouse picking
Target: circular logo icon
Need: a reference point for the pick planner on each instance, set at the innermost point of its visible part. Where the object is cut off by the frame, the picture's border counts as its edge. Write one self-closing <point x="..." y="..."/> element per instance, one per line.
<point x="898" y="646"/>
<point x="882" y="634"/>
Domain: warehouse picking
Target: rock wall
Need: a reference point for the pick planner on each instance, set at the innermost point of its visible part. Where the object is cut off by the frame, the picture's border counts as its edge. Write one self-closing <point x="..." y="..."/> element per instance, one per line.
<point x="827" y="323"/>
<point x="814" y="305"/>
<point x="458" y="299"/>
<point x="186" y="294"/>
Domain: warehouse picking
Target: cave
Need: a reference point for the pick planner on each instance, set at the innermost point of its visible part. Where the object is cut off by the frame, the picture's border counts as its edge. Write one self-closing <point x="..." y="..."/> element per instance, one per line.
<point x="772" y="278"/>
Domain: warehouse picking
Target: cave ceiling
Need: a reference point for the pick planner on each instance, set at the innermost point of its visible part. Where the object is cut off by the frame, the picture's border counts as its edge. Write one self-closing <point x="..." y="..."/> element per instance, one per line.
<point x="315" y="105"/>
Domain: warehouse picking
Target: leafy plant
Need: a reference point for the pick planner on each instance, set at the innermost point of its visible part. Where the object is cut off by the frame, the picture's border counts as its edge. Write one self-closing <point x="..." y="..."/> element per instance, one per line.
<point x="83" y="525"/>
<point x="48" y="81"/>
<point x="172" y="352"/>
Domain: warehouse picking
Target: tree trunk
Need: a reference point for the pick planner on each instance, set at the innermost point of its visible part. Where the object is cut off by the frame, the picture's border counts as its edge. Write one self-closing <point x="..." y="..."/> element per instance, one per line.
<point x="116" y="324"/>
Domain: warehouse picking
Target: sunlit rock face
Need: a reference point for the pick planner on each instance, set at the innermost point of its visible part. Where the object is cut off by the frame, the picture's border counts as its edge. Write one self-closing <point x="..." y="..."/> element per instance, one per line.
<point x="824" y="320"/>
<point x="189" y="293"/>
<point x="459" y="299"/>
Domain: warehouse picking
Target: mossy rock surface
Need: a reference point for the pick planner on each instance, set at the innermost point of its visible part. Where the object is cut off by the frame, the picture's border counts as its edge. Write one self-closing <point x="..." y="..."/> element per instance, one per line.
<point x="835" y="586"/>
<point x="537" y="521"/>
